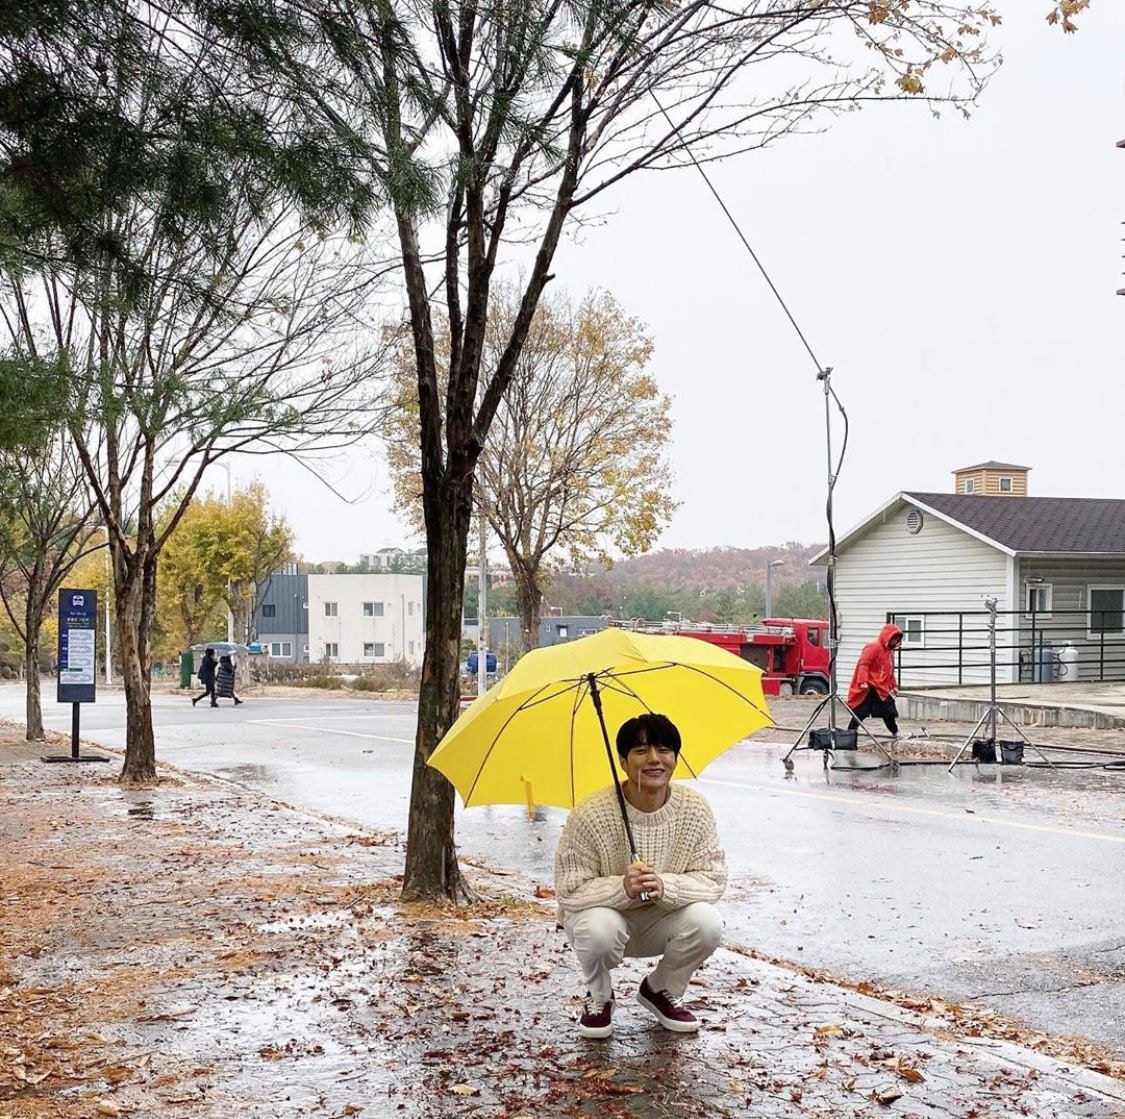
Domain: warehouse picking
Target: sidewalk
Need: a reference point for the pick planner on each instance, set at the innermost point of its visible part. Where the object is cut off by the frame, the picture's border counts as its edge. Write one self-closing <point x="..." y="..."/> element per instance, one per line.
<point x="195" y="950"/>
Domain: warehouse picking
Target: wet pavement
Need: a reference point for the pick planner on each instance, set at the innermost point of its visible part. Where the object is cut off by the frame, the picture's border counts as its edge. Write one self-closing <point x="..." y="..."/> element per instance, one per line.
<point x="198" y="950"/>
<point x="996" y="883"/>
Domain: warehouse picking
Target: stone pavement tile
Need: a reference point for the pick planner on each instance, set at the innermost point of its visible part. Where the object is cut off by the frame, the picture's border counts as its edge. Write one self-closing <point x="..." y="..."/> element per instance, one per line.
<point x="195" y="951"/>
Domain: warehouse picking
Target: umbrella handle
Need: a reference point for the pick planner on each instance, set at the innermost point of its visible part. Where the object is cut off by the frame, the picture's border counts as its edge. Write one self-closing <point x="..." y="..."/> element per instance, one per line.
<point x="596" y="698"/>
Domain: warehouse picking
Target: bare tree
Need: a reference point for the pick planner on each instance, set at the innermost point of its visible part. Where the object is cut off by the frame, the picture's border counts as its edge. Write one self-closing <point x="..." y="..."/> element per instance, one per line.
<point x="45" y="529"/>
<point x="188" y="336"/>
<point x="488" y="125"/>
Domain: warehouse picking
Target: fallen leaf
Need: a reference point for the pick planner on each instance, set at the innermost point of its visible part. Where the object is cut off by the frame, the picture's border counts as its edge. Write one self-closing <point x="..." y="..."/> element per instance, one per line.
<point x="886" y="1095"/>
<point x="465" y="1090"/>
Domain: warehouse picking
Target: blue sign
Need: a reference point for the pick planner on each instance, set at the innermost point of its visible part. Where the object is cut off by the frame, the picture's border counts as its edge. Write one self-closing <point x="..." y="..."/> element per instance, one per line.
<point x="78" y="625"/>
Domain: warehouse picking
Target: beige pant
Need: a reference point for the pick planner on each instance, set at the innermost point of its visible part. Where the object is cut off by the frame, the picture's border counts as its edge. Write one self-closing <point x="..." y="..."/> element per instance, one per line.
<point x="683" y="938"/>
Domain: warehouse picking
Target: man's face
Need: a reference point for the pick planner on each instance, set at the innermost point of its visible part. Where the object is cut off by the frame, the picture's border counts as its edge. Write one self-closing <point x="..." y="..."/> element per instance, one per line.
<point x="650" y="767"/>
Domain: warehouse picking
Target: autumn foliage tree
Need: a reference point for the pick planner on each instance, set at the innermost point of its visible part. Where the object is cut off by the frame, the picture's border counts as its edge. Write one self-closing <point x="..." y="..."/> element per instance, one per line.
<point x="575" y="464"/>
<point x="219" y="557"/>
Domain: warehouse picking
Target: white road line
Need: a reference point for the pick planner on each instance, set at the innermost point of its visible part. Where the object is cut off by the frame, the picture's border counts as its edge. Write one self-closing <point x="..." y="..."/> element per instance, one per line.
<point x="335" y="730"/>
<point x="914" y="810"/>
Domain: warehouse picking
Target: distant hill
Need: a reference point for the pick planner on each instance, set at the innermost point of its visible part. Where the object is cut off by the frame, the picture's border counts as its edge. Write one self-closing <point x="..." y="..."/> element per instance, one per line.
<point x="706" y="585"/>
<point x="714" y="568"/>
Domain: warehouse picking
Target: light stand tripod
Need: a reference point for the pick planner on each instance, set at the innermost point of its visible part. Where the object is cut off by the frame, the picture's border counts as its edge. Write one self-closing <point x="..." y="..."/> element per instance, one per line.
<point x="994" y="709"/>
<point x="829" y="737"/>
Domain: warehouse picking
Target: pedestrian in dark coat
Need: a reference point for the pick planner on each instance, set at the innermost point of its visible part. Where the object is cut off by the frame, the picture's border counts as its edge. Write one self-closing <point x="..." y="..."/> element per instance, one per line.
<point x="224" y="680"/>
<point x="206" y="678"/>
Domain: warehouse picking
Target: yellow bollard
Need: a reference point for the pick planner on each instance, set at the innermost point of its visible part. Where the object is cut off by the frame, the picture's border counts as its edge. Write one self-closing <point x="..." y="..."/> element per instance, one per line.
<point x="530" y="798"/>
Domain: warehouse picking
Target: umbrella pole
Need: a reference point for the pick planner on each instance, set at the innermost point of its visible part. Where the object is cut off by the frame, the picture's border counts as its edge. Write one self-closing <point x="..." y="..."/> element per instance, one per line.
<point x="596" y="696"/>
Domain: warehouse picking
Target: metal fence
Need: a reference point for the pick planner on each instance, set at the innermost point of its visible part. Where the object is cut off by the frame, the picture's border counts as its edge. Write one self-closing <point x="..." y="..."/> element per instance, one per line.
<point x="952" y="646"/>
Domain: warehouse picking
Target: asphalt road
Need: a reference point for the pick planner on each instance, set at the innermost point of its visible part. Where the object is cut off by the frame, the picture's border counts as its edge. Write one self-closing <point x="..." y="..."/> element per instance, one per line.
<point x="1003" y="884"/>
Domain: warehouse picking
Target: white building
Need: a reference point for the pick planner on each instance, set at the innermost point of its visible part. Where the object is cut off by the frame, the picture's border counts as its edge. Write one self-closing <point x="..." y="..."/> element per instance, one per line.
<point x="931" y="561"/>
<point x="366" y="619"/>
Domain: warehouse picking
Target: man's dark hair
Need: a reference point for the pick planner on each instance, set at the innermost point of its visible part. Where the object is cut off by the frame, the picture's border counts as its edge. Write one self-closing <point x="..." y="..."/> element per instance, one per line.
<point x="209" y="650"/>
<point x="649" y="730"/>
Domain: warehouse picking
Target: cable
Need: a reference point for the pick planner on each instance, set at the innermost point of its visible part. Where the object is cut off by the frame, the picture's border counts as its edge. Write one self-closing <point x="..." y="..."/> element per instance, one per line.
<point x="820" y="370"/>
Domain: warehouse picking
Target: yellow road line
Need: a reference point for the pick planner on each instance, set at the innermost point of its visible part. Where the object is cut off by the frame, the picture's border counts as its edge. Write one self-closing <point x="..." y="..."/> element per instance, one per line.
<point x="914" y="810"/>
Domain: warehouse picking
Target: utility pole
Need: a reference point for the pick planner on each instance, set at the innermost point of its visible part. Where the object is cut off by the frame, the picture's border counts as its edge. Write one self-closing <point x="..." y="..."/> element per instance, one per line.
<point x="230" y="612"/>
<point x="482" y="609"/>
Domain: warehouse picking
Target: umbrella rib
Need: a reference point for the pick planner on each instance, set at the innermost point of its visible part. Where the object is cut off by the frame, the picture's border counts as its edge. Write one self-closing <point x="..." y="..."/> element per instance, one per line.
<point x="579" y="695"/>
<point x="617" y="684"/>
<point x="496" y="738"/>
<point x="626" y="690"/>
<point x="608" y="682"/>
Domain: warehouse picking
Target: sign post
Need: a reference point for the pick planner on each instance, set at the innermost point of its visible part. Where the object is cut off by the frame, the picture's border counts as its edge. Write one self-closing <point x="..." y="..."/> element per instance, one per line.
<point x="78" y="623"/>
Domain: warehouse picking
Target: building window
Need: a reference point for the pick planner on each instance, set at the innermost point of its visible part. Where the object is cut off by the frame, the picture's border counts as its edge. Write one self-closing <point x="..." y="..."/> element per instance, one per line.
<point x="1107" y="607"/>
<point x="281" y="648"/>
<point x="410" y="609"/>
<point x="1038" y="599"/>
<point x="970" y="485"/>
<point x="563" y="631"/>
<point x="412" y="648"/>
<point x="373" y="648"/>
<point x="269" y="610"/>
<point x="331" y="650"/>
<point x="913" y="631"/>
<point x="372" y="609"/>
<point x="330" y="610"/>
<point x="1005" y="485"/>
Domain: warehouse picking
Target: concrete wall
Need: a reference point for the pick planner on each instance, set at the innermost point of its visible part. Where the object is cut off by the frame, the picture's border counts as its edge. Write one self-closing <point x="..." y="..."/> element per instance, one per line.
<point x="369" y="619"/>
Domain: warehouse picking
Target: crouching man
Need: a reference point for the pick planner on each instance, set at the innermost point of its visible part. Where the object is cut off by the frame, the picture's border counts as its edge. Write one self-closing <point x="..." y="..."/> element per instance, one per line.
<point x="662" y="906"/>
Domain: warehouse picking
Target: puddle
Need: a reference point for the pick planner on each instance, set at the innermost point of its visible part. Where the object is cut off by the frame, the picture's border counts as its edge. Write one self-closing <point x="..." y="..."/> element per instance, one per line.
<point x="249" y="774"/>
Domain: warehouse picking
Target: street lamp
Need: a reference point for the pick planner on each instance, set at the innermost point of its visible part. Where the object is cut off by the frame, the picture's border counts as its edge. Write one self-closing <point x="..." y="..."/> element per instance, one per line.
<point x="769" y="585"/>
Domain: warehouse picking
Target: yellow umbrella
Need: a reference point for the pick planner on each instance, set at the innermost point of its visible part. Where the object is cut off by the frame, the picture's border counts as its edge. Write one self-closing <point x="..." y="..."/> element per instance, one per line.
<point x="540" y="735"/>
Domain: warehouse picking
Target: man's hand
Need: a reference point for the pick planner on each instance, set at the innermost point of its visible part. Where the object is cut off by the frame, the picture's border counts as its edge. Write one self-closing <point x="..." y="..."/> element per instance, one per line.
<point x="640" y="879"/>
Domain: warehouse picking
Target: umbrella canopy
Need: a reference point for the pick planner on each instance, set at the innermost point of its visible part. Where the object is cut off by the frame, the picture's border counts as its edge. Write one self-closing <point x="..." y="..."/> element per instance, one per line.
<point x="535" y="737"/>
<point x="223" y="648"/>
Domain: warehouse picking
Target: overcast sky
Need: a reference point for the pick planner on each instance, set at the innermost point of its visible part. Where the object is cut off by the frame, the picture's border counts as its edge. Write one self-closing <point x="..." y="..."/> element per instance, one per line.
<point x="959" y="276"/>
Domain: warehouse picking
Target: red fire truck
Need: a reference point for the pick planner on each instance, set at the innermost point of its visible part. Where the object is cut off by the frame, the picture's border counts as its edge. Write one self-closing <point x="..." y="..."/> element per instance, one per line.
<point x="791" y="652"/>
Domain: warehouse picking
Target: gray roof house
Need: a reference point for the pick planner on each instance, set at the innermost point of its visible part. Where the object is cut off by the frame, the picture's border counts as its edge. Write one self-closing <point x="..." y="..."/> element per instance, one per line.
<point x="1055" y="565"/>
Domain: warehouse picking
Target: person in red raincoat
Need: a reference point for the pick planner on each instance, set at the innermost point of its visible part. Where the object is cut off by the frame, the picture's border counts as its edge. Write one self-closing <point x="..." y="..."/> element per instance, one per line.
<point x="873" y="682"/>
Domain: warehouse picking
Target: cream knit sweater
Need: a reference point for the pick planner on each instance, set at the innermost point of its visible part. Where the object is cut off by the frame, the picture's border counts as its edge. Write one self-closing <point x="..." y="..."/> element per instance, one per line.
<point x="679" y="841"/>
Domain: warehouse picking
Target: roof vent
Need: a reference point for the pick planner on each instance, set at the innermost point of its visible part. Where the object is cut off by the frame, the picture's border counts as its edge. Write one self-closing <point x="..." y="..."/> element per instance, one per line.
<point x="914" y="522"/>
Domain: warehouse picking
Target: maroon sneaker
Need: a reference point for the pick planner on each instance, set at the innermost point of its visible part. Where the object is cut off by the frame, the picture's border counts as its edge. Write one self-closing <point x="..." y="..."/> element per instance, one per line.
<point x="669" y="1012"/>
<point x="596" y="1023"/>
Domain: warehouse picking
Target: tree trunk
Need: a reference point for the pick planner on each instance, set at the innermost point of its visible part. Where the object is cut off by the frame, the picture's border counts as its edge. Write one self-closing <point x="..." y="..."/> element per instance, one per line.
<point x="529" y="602"/>
<point x="431" y="856"/>
<point x="132" y="636"/>
<point x="34" y="695"/>
<point x="33" y="623"/>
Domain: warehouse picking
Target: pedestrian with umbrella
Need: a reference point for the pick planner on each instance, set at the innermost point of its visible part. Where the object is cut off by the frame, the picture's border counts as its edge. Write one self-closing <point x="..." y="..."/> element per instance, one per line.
<point x="224" y="681"/>
<point x="656" y="901"/>
<point x="540" y="736"/>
